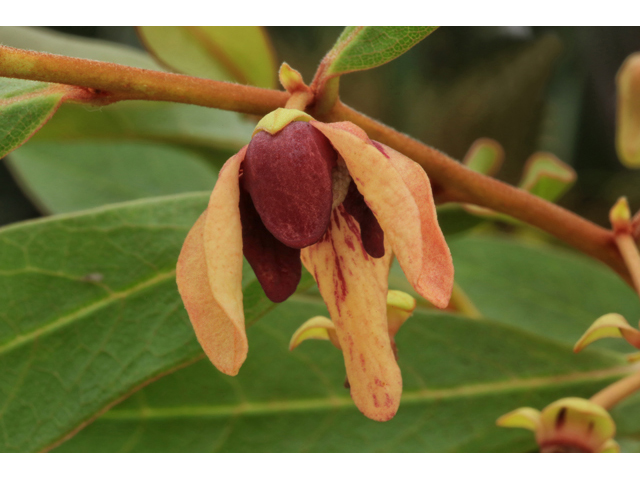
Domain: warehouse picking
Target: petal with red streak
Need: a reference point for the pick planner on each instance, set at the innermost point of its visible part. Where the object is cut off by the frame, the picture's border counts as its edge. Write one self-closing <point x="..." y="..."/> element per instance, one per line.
<point x="223" y="338"/>
<point x="399" y="193"/>
<point x="354" y="287"/>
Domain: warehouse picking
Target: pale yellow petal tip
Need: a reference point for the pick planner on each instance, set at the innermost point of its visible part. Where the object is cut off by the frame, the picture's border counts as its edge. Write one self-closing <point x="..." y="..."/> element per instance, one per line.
<point x="291" y="79"/>
<point x="607" y="326"/>
<point x="401" y="301"/>
<point x="484" y="156"/>
<point x="400" y="307"/>
<point x="525" y="417"/>
<point x="610" y="446"/>
<point x="620" y="215"/>
<point x="275" y="121"/>
<point x="633" y="357"/>
<point x="318" y="328"/>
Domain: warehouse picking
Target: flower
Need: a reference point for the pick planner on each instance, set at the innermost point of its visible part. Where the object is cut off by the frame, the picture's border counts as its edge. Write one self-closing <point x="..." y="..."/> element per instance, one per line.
<point x="326" y="195"/>
<point x="568" y="425"/>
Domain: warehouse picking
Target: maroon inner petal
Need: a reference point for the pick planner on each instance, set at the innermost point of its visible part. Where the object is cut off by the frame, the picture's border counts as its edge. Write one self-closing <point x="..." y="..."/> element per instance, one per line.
<point x="370" y="230"/>
<point x="277" y="267"/>
<point x="289" y="178"/>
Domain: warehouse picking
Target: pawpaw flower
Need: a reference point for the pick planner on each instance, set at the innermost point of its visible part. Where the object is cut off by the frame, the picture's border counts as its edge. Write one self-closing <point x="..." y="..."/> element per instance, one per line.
<point x="568" y="425"/>
<point x="325" y="195"/>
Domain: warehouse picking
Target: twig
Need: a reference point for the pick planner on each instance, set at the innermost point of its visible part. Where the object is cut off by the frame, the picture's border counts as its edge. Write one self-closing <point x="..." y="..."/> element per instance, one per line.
<point x="452" y="181"/>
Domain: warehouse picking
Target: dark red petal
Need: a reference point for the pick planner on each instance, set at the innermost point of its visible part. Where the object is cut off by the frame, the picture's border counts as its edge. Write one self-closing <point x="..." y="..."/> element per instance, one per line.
<point x="289" y="178"/>
<point x="276" y="266"/>
<point x="370" y="230"/>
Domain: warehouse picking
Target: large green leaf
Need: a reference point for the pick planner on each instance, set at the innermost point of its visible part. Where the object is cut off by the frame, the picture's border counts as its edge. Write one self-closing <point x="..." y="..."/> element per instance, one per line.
<point x="66" y="177"/>
<point x="240" y="54"/>
<point x="459" y="376"/>
<point x="162" y="122"/>
<point x="89" y="311"/>
<point x="361" y="48"/>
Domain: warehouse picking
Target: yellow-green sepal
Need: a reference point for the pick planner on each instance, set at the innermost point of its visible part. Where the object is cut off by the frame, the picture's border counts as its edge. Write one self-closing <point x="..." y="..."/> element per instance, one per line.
<point x="400" y="307"/>
<point x="275" y="121"/>
<point x="525" y="417"/>
<point x="316" y="328"/>
<point x="611" y="325"/>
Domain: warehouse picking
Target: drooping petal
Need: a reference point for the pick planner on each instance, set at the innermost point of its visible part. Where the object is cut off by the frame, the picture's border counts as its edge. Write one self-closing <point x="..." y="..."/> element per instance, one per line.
<point x="611" y="325"/>
<point x="318" y="328"/>
<point x="575" y="422"/>
<point x="399" y="193"/>
<point x="213" y="252"/>
<point x="277" y="267"/>
<point x="525" y="417"/>
<point x="222" y="336"/>
<point x="354" y="287"/>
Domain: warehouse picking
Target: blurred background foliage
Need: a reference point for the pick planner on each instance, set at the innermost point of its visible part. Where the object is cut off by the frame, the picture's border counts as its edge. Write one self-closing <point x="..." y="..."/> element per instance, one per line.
<point x="529" y="88"/>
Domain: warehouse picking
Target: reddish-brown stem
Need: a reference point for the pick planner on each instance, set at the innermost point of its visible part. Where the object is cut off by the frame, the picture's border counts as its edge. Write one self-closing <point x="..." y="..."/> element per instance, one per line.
<point x="129" y="83"/>
<point x="452" y="181"/>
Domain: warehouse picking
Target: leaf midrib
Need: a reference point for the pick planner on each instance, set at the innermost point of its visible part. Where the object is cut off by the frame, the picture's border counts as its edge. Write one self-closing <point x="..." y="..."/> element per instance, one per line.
<point x="335" y="402"/>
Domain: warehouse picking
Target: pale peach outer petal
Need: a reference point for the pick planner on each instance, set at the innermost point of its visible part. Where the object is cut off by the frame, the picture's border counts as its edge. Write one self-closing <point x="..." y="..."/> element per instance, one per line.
<point x="399" y="193"/>
<point x="223" y="339"/>
<point x="222" y="239"/>
<point x="354" y="287"/>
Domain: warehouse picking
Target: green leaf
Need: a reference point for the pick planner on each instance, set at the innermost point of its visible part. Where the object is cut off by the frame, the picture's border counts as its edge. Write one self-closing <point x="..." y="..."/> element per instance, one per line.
<point x="459" y="376"/>
<point x="546" y="176"/>
<point x="164" y="122"/>
<point x="86" y="158"/>
<point x="240" y="54"/>
<point x="25" y="107"/>
<point x="67" y="177"/>
<point x="45" y="40"/>
<point x="361" y="48"/>
<point x="551" y="292"/>
<point x="89" y="311"/>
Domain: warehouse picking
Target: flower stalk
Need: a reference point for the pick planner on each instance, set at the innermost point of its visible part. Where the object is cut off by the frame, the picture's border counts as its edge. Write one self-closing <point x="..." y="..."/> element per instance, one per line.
<point x="613" y="394"/>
